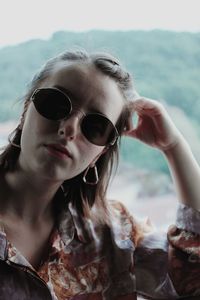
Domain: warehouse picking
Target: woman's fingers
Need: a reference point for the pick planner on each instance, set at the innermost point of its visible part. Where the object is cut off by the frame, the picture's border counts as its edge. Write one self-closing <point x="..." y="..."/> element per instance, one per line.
<point x="146" y="106"/>
<point x="154" y="126"/>
<point x="140" y="107"/>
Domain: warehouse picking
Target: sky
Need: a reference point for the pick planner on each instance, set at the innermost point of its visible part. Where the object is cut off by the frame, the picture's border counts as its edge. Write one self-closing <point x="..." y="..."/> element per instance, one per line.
<point x="22" y="20"/>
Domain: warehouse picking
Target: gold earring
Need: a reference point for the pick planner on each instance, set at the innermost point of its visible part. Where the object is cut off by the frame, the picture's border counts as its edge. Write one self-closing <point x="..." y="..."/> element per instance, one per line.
<point x="19" y="128"/>
<point x="13" y="144"/>
<point x="95" y="174"/>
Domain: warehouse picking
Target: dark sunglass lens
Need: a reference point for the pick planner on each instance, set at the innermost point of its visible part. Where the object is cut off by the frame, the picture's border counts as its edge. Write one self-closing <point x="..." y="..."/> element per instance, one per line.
<point x="98" y="129"/>
<point x="52" y="104"/>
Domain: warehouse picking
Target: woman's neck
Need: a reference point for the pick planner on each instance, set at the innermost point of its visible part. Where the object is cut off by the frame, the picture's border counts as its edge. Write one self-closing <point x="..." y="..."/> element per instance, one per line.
<point x="28" y="198"/>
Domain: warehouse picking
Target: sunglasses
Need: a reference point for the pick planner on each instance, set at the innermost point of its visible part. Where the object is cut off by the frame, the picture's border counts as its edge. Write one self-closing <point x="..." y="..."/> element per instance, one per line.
<point x="55" y="105"/>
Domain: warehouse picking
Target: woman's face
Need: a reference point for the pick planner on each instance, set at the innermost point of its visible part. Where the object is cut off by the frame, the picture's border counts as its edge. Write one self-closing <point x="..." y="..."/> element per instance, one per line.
<point x="90" y="91"/>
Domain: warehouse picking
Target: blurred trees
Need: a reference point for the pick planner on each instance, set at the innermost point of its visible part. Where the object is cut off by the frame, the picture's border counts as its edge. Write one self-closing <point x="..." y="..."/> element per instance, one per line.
<point x="165" y="66"/>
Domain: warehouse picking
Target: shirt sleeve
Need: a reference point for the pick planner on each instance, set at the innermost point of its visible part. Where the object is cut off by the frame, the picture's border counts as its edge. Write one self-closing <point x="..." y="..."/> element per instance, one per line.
<point x="184" y="252"/>
<point x="167" y="265"/>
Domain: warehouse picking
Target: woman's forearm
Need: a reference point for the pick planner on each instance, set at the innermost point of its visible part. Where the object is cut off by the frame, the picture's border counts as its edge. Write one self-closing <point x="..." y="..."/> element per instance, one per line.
<point x="185" y="172"/>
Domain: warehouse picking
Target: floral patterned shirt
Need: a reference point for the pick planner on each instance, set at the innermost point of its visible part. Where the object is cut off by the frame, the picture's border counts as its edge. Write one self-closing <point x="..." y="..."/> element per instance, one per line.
<point x="100" y="262"/>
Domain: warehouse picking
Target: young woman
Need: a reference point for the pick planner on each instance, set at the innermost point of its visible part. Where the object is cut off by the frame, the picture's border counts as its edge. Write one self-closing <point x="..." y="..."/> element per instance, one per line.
<point x="60" y="237"/>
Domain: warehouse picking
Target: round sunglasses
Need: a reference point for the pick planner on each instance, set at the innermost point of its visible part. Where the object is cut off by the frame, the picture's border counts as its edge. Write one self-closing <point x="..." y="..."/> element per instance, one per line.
<point x="55" y="105"/>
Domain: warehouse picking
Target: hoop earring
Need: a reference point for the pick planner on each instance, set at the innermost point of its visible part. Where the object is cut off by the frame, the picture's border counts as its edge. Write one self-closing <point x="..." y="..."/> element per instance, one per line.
<point x="13" y="144"/>
<point x="86" y="174"/>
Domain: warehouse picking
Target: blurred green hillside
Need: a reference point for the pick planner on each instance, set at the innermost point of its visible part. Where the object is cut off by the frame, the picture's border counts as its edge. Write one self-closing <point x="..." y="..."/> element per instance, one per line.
<point x="165" y="66"/>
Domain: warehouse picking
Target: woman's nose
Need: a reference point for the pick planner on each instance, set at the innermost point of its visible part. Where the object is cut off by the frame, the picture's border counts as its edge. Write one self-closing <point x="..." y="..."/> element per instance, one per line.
<point x="69" y="127"/>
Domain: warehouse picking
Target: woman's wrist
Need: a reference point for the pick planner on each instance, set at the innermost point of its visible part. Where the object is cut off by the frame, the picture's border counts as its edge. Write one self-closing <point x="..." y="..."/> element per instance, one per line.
<point x="176" y="147"/>
<point x="185" y="173"/>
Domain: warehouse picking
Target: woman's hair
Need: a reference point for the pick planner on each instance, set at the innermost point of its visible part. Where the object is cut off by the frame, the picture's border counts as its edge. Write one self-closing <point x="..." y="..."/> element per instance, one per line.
<point x="81" y="195"/>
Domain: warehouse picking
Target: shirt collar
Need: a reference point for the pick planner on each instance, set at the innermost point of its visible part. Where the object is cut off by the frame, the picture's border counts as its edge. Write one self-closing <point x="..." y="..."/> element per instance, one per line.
<point x="70" y="224"/>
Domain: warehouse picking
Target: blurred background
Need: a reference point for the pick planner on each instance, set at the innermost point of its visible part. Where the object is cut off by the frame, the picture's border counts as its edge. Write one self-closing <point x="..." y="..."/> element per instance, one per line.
<point x="157" y="41"/>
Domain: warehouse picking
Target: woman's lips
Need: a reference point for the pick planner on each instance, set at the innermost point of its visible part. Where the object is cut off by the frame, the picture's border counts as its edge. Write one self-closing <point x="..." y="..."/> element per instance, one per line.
<point x="58" y="151"/>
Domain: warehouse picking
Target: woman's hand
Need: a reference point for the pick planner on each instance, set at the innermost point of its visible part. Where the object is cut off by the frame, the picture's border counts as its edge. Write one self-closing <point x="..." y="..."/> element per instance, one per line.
<point x="154" y="126"/>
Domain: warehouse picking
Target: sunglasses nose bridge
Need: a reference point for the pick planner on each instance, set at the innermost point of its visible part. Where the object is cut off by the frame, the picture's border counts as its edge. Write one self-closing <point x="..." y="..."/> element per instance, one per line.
<point x="70" y="125"/>
<point x="75" y="113"/>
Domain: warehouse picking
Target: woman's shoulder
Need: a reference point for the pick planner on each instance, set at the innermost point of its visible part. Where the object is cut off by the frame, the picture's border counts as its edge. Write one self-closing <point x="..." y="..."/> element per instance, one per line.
<point x="123" y="222"/>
